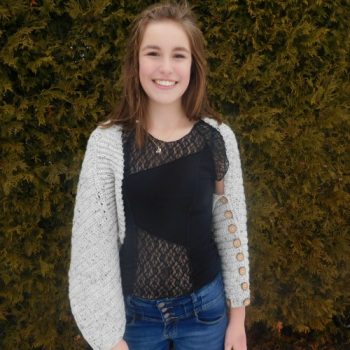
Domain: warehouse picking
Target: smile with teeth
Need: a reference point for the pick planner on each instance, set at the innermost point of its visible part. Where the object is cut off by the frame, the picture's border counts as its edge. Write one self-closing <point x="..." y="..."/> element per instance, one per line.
<point x="165" y="82"/>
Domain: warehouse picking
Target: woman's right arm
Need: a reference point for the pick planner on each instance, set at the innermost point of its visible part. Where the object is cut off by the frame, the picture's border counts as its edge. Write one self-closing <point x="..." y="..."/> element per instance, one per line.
<point x="95" y="291"/>
<point x="121" y="345"/>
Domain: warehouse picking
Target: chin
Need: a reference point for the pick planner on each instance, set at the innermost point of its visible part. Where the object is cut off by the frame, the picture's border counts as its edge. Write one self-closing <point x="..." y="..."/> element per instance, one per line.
<point x="166" y="102"/>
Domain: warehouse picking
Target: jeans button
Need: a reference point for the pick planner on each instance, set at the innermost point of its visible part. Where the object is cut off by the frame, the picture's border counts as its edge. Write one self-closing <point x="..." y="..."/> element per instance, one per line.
<point x="161" y="304"/>
<point x="166" y="315"/>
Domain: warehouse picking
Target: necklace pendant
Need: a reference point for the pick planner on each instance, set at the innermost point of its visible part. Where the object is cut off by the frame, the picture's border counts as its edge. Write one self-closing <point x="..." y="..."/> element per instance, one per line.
<point x="159" y="150"/>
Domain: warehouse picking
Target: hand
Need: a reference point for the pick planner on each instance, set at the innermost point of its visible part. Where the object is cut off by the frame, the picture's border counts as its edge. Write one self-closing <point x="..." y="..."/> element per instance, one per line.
<point x="235" y="337"/>
<point x="121" y="345"/>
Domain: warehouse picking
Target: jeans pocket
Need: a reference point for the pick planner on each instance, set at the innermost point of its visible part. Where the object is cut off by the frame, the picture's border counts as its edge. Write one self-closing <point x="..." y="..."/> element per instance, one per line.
<point x="212" y="312"/>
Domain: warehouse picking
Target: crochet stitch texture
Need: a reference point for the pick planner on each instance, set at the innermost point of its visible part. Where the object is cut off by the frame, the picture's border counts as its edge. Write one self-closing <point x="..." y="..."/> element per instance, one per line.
<point x="98" y="231"/>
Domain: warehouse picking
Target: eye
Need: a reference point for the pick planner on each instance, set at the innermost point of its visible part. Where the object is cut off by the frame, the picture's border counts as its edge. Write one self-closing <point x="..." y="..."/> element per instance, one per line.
<point x="180" y="56"/>
<point x="153" y="53"/>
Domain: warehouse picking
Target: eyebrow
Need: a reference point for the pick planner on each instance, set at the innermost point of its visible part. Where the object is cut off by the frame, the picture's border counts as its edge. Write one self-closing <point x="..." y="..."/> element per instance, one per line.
<point x="155" y="47"/>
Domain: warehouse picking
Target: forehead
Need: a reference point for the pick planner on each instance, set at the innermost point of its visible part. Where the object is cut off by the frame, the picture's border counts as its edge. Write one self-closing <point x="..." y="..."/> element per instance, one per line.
<point x="166" y="34"/>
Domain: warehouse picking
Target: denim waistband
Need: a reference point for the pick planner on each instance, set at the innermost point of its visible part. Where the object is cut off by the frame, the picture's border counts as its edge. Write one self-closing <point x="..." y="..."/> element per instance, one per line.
<point x="182" y="306"/>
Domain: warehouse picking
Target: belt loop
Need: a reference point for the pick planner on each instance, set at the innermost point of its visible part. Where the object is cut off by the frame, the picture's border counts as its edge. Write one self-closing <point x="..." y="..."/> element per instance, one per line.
<point x="127" y="300"/>
<point x="194" y="297"/>
<point x="196" y="301"/>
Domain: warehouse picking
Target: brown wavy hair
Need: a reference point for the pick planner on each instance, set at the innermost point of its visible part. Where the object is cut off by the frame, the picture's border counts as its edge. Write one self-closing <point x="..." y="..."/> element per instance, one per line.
<point x="131" y="110"/>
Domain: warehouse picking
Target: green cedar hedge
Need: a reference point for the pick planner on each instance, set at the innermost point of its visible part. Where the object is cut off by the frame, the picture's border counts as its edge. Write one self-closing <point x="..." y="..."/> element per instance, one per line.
<point x="279" y="72"/>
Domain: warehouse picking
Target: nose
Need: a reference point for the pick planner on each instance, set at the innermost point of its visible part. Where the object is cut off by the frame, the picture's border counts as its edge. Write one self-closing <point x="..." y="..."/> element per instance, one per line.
<point x="165" y="66"/>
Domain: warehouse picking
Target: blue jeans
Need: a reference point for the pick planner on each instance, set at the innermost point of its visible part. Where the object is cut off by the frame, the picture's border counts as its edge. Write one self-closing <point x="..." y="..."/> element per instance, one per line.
<point x="193" y="322"/>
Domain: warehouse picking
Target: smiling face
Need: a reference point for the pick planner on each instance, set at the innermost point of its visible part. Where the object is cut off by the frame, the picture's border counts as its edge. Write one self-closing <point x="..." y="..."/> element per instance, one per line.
<point x="165" y="62"/>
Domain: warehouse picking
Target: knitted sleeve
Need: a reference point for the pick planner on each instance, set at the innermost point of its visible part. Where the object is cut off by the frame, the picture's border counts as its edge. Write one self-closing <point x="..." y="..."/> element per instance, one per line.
<point x="95" y="291"/>
<point x="229" y="226"/>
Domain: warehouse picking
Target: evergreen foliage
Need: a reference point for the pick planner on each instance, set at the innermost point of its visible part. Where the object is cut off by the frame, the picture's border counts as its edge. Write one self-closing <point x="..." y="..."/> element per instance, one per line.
<point x="279" y="72"/>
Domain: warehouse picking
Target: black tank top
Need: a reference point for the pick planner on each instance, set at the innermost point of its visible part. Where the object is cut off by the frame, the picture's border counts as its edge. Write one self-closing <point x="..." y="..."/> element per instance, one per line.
<point x="169" y="249"/>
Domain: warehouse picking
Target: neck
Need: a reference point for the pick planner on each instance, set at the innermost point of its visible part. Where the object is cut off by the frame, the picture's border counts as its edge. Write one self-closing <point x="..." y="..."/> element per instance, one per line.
<point x="165" y="117"/>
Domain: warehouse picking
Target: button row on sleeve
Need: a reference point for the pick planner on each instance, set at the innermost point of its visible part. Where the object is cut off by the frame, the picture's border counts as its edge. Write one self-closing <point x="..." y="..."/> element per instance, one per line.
<point x="232" y="228"/>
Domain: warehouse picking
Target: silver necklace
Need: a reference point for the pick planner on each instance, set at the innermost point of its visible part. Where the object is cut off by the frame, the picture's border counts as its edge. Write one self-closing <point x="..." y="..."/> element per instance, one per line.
<point x="158" y="150"/>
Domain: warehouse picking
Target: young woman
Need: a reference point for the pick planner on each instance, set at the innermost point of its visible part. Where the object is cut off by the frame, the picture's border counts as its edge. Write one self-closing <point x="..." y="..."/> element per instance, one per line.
<point x="159" y="241"/>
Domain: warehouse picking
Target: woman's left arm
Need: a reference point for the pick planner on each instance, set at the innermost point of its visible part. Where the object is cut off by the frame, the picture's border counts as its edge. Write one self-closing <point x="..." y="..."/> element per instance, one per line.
<point x="230" y="233"/>
<point x="230" y="223"/>
<point x="235" y="336"/>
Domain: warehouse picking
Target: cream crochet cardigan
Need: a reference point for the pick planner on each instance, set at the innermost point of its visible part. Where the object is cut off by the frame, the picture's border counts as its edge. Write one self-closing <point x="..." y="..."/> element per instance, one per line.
<point x="98" y="232"/>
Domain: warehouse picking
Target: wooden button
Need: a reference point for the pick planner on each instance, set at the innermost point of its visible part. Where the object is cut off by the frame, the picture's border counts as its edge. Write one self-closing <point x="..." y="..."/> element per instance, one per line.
<point x="237" y="243"/>
<point x="242" y="270"/>
<point x="244" y="285"/>
<point x="232" y="228"/>
<point x="240" y="256"/>
<point x="246" y="302"/>
<point x="223" y="200"/>
<point x="228" y="214"/>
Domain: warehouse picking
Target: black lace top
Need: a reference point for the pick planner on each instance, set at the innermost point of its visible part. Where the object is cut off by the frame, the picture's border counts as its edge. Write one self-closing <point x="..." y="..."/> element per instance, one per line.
<point x="169" y="250"/>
